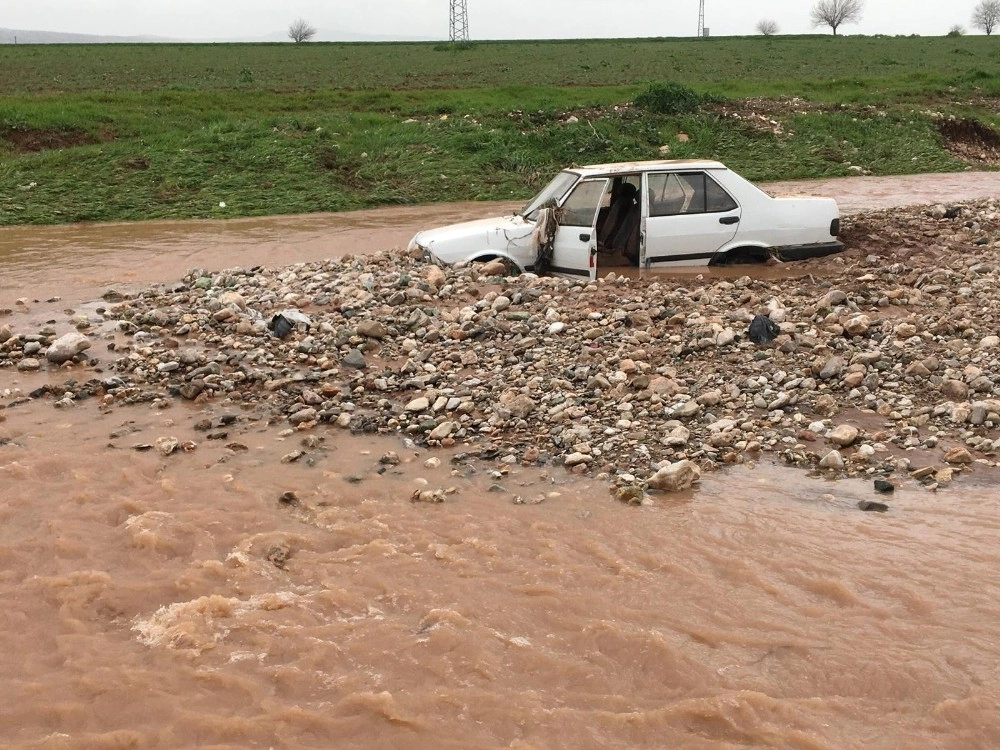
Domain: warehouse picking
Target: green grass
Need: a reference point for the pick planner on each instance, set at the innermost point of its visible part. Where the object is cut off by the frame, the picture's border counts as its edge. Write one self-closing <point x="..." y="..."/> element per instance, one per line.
<point x="128" y="132"/>
<point x="758" y="65"/>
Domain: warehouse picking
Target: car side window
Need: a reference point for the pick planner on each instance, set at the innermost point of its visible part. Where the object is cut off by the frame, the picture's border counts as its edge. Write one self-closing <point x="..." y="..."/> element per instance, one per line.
<point x="668" y="194"/>
<point x="672" y="194"/>
<point x="580" y="208"/>
<point x="716" y="198"/>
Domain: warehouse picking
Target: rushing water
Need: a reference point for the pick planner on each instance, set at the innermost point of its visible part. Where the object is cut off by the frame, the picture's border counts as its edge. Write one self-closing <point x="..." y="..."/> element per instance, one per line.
<point x="166" y="602"/>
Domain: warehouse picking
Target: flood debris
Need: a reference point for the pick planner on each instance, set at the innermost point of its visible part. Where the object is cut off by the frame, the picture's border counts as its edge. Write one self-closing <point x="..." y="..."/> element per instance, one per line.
<point x="880" y="360"/>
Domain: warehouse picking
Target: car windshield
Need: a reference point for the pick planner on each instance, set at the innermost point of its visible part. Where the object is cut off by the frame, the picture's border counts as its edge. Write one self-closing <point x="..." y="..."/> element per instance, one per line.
<point x="554" y="191"/>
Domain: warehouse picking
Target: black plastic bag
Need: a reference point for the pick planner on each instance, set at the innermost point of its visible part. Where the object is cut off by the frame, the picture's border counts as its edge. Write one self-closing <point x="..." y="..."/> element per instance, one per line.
<point x="762" y="330"/>
<point x="280" y="326"/>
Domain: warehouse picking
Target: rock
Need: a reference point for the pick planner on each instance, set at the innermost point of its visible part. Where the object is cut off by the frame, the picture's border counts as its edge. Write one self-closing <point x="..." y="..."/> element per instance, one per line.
<point x="421" y="403"/>
<point x="675" y="477"/>
<point x="872" y="506"/>
<point x="826" y="405"/>
<point x="884" y="485"/>
<point x="575" y="459"/>
<point x="944" y="475"/>
<point x="66" y="347"/>
<point x="832" y="460"/>
<point x="435" y="277"/>
<point x="710" y="398"/>
<point x="630" y="494"/>
<point x="496" y="267"/>
<point x="958" y="455"/>
<point x="844" y="435"/>
<point x="833" y="368"/>
<point x="937" y="212"/>
<point x="302" y="416"/>
<point x="687" y="410"/>
<point x="167" y="445"/>
<point x="518" y="404"/>
<point x="354" y="359"/>
<point x="428" y="496"/>
<point x="663" y="386"/>
<point x="678" y="437"/>
<point x="989" y="342"/>
<point x="956" y="390"/>
<point x="373" y="329"/>
<point x="29" y="364"/>
<point x="833" y="298"/>
<point x="233" y="299"/>
<point x="858" y="325"/>
<point x="442" y="431"/>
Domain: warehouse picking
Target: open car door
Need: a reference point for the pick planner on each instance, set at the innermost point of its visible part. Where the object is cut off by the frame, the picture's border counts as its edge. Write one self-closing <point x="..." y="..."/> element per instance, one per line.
<point x="574" y="252"/>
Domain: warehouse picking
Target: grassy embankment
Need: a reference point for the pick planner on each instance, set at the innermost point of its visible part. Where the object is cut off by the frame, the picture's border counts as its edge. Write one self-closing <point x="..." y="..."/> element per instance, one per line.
<point x="110" y="132"/>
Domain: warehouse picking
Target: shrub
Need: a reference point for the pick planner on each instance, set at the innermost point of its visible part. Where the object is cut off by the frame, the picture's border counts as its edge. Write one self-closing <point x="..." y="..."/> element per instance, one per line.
<point x="669" y="99"/>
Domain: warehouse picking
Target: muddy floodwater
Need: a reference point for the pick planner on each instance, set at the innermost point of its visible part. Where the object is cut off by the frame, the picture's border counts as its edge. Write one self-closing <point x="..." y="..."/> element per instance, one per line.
<point x="206" y="600"/>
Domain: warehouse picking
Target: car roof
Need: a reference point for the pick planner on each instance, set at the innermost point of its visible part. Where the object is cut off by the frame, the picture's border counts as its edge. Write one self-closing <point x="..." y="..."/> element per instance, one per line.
<point x="645" y="166"/>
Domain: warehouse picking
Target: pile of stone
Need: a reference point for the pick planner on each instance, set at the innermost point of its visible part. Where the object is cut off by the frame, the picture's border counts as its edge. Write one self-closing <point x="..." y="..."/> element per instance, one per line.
<point x="886" y="358"/>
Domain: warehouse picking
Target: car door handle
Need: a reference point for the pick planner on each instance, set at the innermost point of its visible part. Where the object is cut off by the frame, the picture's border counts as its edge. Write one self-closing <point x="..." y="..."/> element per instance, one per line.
<point x="729" y="220"/>
<point x="584" y="237"/>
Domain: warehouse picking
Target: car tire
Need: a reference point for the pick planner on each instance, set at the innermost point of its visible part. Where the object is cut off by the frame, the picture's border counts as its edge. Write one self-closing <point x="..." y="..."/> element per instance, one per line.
<point x="740" y="256"/>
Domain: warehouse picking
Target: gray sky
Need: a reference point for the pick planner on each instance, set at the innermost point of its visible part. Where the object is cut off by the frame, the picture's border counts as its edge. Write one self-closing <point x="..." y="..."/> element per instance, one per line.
<point x="488" y="19"/>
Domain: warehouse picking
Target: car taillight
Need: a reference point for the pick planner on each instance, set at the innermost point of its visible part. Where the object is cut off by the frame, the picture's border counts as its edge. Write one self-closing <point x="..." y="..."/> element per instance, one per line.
<point x="835" y="227"/>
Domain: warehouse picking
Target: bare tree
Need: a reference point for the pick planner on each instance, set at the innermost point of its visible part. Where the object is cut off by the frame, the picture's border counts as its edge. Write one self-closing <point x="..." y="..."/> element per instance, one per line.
<point x="301" y="31"/>
<point x="767" y="27"/>
<point x="986" y="15"/>
<point x="832" y="13"/>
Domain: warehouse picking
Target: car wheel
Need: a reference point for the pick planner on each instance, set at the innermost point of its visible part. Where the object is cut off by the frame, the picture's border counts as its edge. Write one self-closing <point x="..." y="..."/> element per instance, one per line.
<point x="740" y="256"/>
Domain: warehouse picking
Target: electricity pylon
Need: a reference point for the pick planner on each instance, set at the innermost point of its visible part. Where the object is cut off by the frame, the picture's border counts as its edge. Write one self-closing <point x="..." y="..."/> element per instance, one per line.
<point x="459" y="19"/>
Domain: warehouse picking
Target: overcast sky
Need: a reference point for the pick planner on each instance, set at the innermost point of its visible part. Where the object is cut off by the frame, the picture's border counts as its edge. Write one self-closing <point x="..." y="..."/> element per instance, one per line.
<point x="488" y="19"/>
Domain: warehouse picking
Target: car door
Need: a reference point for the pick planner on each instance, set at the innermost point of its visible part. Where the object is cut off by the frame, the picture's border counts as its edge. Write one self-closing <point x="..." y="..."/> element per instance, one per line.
<point x="574" y="252"/>
<point x="689" y="217"/>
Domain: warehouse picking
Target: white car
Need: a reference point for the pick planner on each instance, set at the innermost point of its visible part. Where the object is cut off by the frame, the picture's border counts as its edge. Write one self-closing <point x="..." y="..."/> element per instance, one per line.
<point x="649" y="214"/>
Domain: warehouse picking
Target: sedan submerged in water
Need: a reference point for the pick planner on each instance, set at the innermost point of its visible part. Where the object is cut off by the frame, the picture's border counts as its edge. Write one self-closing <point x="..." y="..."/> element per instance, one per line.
<point x="649" y="214"/>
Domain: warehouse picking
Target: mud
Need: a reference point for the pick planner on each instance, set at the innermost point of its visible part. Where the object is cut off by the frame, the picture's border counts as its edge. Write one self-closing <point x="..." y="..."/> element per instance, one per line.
<point x="971" y="140"/>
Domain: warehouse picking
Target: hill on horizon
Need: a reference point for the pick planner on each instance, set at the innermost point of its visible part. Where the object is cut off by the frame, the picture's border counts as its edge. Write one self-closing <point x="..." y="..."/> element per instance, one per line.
<point x="30" y="36"/>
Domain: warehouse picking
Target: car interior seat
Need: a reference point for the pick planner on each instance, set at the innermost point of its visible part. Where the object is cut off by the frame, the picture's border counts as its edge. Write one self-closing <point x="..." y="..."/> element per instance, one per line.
<point x="623" y="199"/>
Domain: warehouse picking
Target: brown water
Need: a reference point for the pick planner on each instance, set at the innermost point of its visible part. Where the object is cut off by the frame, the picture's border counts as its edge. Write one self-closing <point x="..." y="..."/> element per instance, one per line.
<point x="167" y="602"/>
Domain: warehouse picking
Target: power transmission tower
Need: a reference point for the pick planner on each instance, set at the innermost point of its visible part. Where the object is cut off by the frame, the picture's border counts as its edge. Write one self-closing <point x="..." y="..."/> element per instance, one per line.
<point x="701" y="18"/>
<point x="459" y="18"/>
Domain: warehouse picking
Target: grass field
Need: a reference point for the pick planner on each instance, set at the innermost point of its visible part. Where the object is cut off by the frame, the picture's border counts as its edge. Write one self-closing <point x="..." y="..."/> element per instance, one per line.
<point x="111" y="132"/>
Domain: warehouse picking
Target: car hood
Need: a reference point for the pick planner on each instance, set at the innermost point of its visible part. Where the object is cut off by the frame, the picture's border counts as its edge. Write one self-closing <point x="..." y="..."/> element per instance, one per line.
<point x="501" y="235"/>
<point x="468" y="229"/>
